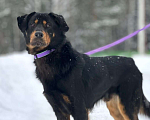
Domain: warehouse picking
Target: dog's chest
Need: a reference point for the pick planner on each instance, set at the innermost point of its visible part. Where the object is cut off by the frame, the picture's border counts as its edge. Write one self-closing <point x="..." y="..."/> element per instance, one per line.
<point x="44" y="71"/>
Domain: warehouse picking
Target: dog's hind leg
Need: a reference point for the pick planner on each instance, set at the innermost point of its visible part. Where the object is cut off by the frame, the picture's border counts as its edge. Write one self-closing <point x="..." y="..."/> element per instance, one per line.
<point x="130" y="96"/>
<point x="122" y="109"/>
<point x="112" y="105"/>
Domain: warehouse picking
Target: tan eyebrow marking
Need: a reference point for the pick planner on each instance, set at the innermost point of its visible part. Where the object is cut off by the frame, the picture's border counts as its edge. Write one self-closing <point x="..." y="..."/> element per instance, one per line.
<point x="44" y="22"/>
<point x="53" y="34"/>
<point x="36" y="21"/>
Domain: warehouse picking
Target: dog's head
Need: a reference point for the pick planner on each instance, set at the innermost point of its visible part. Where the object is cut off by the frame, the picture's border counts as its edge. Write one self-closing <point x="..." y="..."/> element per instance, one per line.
<point x="42" y="30"/>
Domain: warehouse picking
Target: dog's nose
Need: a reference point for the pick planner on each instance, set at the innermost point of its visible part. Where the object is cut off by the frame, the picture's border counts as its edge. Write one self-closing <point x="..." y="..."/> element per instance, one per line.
<point x="39" y="34"/>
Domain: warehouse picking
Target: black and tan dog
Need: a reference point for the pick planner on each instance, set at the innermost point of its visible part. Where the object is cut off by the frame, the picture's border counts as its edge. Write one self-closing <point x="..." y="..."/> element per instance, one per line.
<point x="74" y="82"/>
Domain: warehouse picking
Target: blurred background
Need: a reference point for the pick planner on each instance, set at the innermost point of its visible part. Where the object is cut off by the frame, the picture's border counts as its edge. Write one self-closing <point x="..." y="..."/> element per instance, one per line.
<point x="93" y="24"/>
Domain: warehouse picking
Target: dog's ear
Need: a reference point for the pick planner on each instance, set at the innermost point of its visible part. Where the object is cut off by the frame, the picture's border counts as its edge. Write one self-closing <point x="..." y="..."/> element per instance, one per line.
<point x="23" y="21"/>
<point x="60" y="21"/>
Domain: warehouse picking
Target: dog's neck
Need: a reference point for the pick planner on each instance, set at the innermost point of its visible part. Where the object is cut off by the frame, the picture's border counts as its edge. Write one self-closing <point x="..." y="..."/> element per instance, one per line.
<point x="43" y="54"/>
<point x="48" y="50"/>
<point x="50" y="53"/>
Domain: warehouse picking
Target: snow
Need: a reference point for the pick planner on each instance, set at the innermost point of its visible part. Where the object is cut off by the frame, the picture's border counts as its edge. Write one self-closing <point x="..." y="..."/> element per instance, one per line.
<point x="21" y="93"/>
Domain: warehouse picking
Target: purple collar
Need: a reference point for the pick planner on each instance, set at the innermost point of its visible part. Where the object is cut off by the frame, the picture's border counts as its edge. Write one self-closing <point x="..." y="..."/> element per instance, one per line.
<point x="42" y="54"/>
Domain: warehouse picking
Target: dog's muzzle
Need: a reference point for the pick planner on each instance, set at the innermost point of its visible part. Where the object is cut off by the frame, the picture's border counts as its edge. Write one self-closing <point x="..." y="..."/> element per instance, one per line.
<point x="38" y="40"/>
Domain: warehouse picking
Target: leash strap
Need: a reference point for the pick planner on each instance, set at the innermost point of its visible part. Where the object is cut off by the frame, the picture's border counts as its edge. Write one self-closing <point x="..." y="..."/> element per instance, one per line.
<point x="116" y="42"/>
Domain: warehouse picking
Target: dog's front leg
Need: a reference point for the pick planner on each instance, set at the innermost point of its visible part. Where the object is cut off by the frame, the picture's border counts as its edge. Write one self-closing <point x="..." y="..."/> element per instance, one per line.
<point x="62" y="110"/>
<point x="79" y="111"/>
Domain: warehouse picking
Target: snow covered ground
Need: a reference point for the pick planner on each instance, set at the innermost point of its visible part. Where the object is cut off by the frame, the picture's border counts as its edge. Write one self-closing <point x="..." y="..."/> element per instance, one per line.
<point x="21" y="95"/>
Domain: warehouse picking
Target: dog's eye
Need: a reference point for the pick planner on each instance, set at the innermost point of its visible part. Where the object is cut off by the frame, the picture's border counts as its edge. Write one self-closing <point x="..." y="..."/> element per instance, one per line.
<point x="48" y="25"/>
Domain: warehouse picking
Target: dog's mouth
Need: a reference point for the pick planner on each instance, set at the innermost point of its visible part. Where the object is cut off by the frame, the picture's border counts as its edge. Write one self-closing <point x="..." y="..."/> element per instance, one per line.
<point x="38" y="43"/>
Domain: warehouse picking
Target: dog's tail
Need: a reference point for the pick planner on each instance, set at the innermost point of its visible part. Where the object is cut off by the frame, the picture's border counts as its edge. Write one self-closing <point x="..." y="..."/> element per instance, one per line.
<point x="145" y="106"/>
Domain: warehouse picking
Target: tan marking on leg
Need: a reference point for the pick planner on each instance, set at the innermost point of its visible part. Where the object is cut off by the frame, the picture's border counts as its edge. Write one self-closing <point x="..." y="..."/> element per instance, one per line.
<point x="44" y="22"/>
<point x="36" y="21"/>
<point x="113" y="108"/>
<point x="66" y="99"/>
<point x="88" y="114"/>
<point x="122" y="109"/>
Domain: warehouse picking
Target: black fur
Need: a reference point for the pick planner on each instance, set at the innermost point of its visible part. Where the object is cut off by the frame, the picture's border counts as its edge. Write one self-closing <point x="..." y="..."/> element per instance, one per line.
<point x="84" y="80"/>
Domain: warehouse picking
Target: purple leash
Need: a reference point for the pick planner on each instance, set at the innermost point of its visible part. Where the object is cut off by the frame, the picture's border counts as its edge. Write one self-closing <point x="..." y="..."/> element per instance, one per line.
<point x="116" y="42"/>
